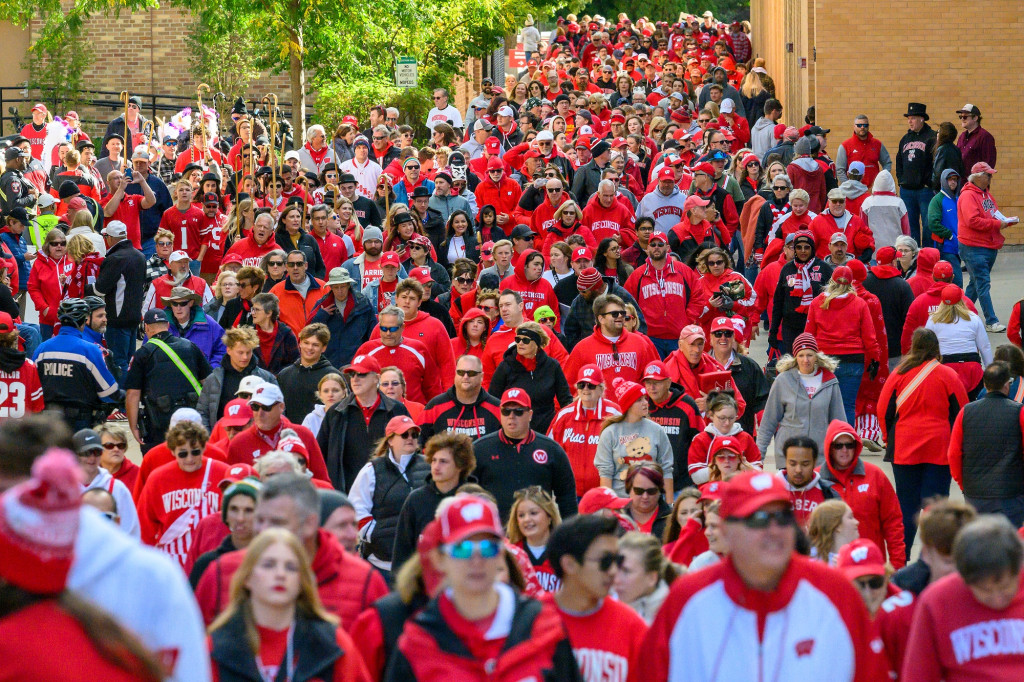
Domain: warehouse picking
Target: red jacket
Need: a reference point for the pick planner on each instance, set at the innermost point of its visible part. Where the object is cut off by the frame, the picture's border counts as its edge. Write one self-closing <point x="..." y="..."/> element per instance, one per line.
<point x="626" y="358"/>
<point x="742" y="308"/>
<point x="865" y="488"/>
<point x="976" y="223"/>
<point x="431" y="333"/>
<point x="807" y="175"/>
<point x="919" y="430"/>
<point x="699" y="456"/>
<point x="922" y="307"/>
<point x="607" y="222"/>
<point x="691" y="543"/>
<point x="250" y="252"/>
<point x="503" y="196"/>
<point x="868" y="152"/>
<point x="669" y="300"/>
<point x="858" y="236"/>
<point x="44" y="286"/>
<point x="248" y="446"/>
<point x="422" y="377"/>
<point x="557" y="232"/>
<point x="680" y="371"/>
<point x="535" y="294"/>
<point x="844" y="328"/>
<point x="578" y="431"/>
<point x="346" y="583"/>
<point x="296" y="308"/>
<point x="1013" y="327"/>
<point x="543" y="217"/>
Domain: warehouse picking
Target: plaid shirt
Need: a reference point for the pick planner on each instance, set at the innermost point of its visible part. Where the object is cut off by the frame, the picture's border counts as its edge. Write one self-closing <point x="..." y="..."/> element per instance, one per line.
<point x="155" y="267"/>
<point x="164" y="169"/>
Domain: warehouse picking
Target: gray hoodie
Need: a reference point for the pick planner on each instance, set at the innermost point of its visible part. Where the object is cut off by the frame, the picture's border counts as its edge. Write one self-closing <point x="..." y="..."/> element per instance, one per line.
<point x="791" y="412"/>
<point x="762" y="136"/>
<point x="853" y="188"/>
<point x="622" y="443"/>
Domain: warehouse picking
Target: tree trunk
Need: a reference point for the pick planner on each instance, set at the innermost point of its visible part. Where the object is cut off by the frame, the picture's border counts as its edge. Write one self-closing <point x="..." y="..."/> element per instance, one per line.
<point x="298" y="79"/>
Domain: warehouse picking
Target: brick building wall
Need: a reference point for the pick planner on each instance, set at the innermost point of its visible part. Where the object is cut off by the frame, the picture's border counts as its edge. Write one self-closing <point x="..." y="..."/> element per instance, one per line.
<point x="874" y="58"/>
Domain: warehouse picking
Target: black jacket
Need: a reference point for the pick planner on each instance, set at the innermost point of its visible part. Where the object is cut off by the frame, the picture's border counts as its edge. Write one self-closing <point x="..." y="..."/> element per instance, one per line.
<point x="315" y="643"/>
<point x="207" y="558"/>
<point x="680" y="417"/>
<point x="164" y="387"/>
<point x="914" y="159"/>
<point x="504" y="466"/>
<point x="913" y="577"/>
<point x="284" y="352"/>
<point x="14" y="192"/>
<point x="390" y="491"/>
<point x="545" y="385"/>
<point x="566" y="290"/>
<point x="346" y="441"/>
<point x="445" y="413"/>
<point x="993" y="466"/>
<point x="947" y="156"/>
<point x="417" y="512"/>
<point x="661" y="516"/>
<point x="299" y="385"/>
<point x="895" y="295"/>
<point x="784" y="310"/>
<point x="122" y="281"/>
<point x="309" y="247"/>
<point x="753" y="386"/>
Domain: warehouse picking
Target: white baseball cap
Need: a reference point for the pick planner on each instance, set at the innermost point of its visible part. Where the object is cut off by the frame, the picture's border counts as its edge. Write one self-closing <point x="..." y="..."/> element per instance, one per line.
<point x="506" y="111"/>
<point x="728" y="106"/>
<point x="291" y="155"/>
<point x="249" y="384"/>
<point x="115" y="228"/>
<point x="267" y="394"/>
<point x="176" y="256"/>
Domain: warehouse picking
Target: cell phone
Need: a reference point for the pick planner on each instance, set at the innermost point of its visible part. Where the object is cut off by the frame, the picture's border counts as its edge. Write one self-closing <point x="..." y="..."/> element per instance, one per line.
<point x="128" y="174"/>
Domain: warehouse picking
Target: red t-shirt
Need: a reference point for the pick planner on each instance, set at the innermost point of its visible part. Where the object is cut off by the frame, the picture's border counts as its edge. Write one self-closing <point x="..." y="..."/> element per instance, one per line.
<point x="385" y="294"/>
<point x="372" y="272"/>
<point x="128" y="213"/>
<point x="605" y="642"/>
<point x="213" y="235"/>
<point x="187" y="228"/>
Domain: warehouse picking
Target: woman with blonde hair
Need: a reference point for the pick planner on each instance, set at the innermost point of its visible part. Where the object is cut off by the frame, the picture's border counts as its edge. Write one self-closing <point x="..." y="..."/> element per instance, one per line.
<point x="963" y="341"/>
<point x="803" y="400"/>
<point x="531" y="520"/>
<point x="275" y="626"/>
<point x="644" y="574"/>
<point x="240" y="221"/>
<point x="657" y="129"/>
<point x="47" y="280"/>
<point x="831" y="527"/>
<point x="753" y="94"/>
<point x="82" y="224"/>
<point x="87" y="262"/>
<point x="841" y="322"/>
<point x="224" y="289"/>
<point x="347" y="223"/>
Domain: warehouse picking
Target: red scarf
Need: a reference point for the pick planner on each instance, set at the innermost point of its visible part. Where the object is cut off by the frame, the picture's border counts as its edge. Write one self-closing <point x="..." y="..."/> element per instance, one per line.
<point x="802" y="287"/>
<point x="317" y="156"/>
<point x="89" y="267"/>
<point x="266" y="342"/>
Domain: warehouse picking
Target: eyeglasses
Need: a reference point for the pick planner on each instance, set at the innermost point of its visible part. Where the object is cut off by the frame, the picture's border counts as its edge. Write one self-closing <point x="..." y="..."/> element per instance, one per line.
<point x="606" y="561"/>
<point x="180" y="304"/>
<point x="436" y="98"/>
<point x="276" y="263"/>
<point x="257" y="407"/>
<point x="523" y="340"/>
<point x="964" y="117"/>
<point x="862" y="125"/>
<point x="516" y="411"/>
<point x="411" y="434"/>
<point x="616" y="313"/>
<point x="390" y="330"/>
<point x="467" y="549"/>
<point x="416" y="246"/>
<point x="379" y="139"/>
<point x="650" y="492"/>
<point x="115" y="446"/>
<point x="715" y="263"/>
<point x="493" y="171"/>
<point x="189" y="453"/>
<point x="165" y="243"/>
<point x="874" y="582"/>
<point x="465" y="280"/>
<point x="550" y="175"/>
<point x="390" y="384"/>
<point x="630" y="318"/>
<point x="467" y="372"/>
<point x="760" y="520"/>
<point x="844" y="446"/>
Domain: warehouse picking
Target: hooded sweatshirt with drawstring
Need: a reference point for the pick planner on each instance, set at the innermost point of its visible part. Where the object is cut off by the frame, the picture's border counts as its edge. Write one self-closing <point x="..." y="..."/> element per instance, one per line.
<point x="943" y="217"/>
<point x="884" y="212"/>
<point x="856" y="192"/>
<point x="807" y="497"/>
<point x="535" y="294"/>
<point x="921" y="281"/>
<point x="865" y="488"/>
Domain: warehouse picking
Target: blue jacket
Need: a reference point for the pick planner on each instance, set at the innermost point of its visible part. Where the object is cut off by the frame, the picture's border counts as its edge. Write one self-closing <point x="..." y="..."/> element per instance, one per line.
<point x="203" y="332"/>
<point x="942" y="216"/>
<point x="17" y="246"/>
<point x="73" y="372"/>
<point x="346" y="335"/>
<point x="402" y="195"/>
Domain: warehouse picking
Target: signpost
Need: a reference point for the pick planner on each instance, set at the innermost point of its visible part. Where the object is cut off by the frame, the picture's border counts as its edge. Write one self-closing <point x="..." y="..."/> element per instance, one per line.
<point x="405" y="72"/>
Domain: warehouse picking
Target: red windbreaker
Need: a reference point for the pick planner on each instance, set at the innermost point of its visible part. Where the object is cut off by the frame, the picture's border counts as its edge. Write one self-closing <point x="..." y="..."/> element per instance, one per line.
<point x="669" y="299"/>
<point x="680" y="371"/>
<point x="431" y="333"/>
<point x="858" y="235"/>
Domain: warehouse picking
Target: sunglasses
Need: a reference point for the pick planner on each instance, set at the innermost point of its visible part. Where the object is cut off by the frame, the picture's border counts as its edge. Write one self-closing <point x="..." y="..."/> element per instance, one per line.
<point x="465" y="280"/>
<point x="650" y="492"/>
<point x="862" y="125"/>
<point x="616" y="313"/>
<point x="411" y="434"/>
<point x="115" y="446"/>
<point x="467" y="549"/>
<point x="875" y="582"/>
<point x="555" y="190"/>
<point x="360" y="375"/>
<point x="510" y="411"/>
<point x="298" y="264"/>
<point x="722" y="334"/>
<point x="523" y="340"/>
<point x="180" y="304"/>
<point x="715" y="263"/>
<point x="276" y="263"/>
<point x="416" y="246"/>
<point x="963" y="117"/>
<point x="436" y="98"/>
<point x="493" y="171"/>
<point x="165" y="243"/>
<point x="58" y="243"/>
<point x="467" y="372"/>
<point x="189" y="453"/>
<point x="760" y="520"/>
<point x="844" y="446"/>
<point x="257" y="407"/>
<point x="607" y="560"/>
<point x="584" y="386"/>
<point x="379" y="139"/>
<point x="88" y="453"/>
<point x="390" y="330"/>
<point x="803" y="247"/>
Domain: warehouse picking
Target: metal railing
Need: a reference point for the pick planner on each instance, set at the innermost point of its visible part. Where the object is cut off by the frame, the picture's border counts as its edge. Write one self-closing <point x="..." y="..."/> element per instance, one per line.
<point x="153" y="105"/>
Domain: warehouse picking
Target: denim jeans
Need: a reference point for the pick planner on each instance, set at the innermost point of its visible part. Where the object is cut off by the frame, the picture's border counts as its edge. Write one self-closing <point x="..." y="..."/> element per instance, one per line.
<point x="149" y="247"/>
<point x="194" y="265"/>
<point x="849" y="374"/>
<point x="915" y="483"/>
<point x="664" y="346"/>
<point x="45" y="331"/>
<point x="980" y="261"/>
<point x="917" y="201"/>
<point x="121" y="341"/>
<point x="31" y="337"/>
<point x="954" y="260"/>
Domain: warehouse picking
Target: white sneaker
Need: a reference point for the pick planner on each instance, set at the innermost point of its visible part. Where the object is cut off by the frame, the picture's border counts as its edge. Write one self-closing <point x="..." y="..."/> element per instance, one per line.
<point x="997" y="328"/>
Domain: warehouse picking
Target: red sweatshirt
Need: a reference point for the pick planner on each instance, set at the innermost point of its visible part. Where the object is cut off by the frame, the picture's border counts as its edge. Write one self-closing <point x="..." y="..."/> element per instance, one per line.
<point x="250" y="444"/>
<point x="169" y="493"/>
<point x="578" y="430"/>
<point x="858" y="235"/>
<point x="919" y="431"/>
<point x="250" y="252"/>
<point x="607" y="222"/>
<point x="600" y="657"/>
<point x="680" y="371"/>
<point x="558" y="232"/>
<point x="503" y="196"/>
<point x="535" y="294"/>
<point x="159" y="455"/>
<point x="431" y="333"/>
<point x="669" y="299"/>
<point x="977" y="224"/>
<point x="422" y="377"/>
<point x="625" y="358"/>
<point x="845" y="328"/>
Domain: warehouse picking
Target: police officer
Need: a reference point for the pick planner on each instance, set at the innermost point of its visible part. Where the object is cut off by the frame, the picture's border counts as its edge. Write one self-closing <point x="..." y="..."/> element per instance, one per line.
<point x="72" y="371"/>
<point x="15" y="190"/>
<point x="95" y="330"/>
<point x="164" y="374"/>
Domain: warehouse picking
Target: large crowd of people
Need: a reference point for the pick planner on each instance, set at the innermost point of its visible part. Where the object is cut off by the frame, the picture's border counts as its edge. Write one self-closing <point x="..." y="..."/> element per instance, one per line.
<point x="484" y="407"/>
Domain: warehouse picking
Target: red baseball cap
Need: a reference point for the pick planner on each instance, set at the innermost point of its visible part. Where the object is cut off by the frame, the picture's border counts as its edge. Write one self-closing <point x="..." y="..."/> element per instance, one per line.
<point x="582" y="253"/>
<point x="943" y="271"/>
<point x="666" y="173"/>
<point x="709" y="492"/>
<point x="748" y="491"/>
<point x="590" y="374"/>
<point x="492" y="145"/>
<point x="6" y="323"/>
<point x="704" y="168"/>
<point x="583" y="141"/>
<point x="694" y="200"/>
<point x="617" y="118"/>
<point x="421" y="275"/>
<point x="237" y="413"/>
<point x="232" y="258"/>
<point x="363" y="364"/>
<point x="494" y="163"/>
<point x="532" y="154"/>
<point x="658" y="237"/>
<point x="235" y="474"/>
<point x="390" y="258"/>
<point x="656" y="371"/>
<point x="516" y="396"/>
<point x="860" y="558"/>
<point x="724" y="443"/>
<point x="952" y="294"/>
<point x="400" y="425"/>
<point x="40" y="107"/>
<point x="468" y="515"/>
<point x="596" y="499"/>
<point x="351" y="120"/>
<point x="421" y="239"/>
<point x="722" y="323"/>
<point x="619" y="142"/>
<point x="982" y="167"/>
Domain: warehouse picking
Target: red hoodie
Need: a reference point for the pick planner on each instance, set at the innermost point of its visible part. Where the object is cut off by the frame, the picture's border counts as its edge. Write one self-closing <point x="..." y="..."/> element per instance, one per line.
<point x="844" y="328"/>
<point x="807" y="175"/>
<point x="977" y="224"/>
<point x="625" y="358"/>
<point x="921" y="281"/>
<point x="249" y="445"/>
<point x="607" y="222"/>
<point x="502" y="195"/>
<point x="431" y="333"/>
<point x="858" y="235"/>
<point x="669" y="299"/>
<point x="459" y="345"/>
<point x="250" y="252"/>
<point x="543" y="217"/>
<point x="535" y="294"/>
<point x="865" y="488"/>
<point x="557" y="232"/>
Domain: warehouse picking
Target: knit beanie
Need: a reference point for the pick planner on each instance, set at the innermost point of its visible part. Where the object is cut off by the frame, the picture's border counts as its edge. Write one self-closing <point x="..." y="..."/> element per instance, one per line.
<point x="805" y="341"/>
<point x="588" y="279"/>
<point x="859" y="270"/>
<point x="249" y="487"/>
<point x="626" y="393"/>
<point x="39" y="523"/>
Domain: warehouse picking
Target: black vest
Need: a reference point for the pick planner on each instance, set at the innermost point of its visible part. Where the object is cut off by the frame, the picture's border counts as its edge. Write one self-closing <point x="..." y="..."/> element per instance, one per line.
<point x="993" y="465"/>
<point x="389" y="493"/>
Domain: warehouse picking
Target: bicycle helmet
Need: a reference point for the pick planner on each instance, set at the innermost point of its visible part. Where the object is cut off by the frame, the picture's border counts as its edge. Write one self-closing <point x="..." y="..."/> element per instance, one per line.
<point x="94" y="303"/>
<point x="73" y="311"/>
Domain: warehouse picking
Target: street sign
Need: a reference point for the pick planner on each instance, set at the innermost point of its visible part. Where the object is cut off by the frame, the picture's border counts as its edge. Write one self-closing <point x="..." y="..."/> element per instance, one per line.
<point x="405" y="72"/>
